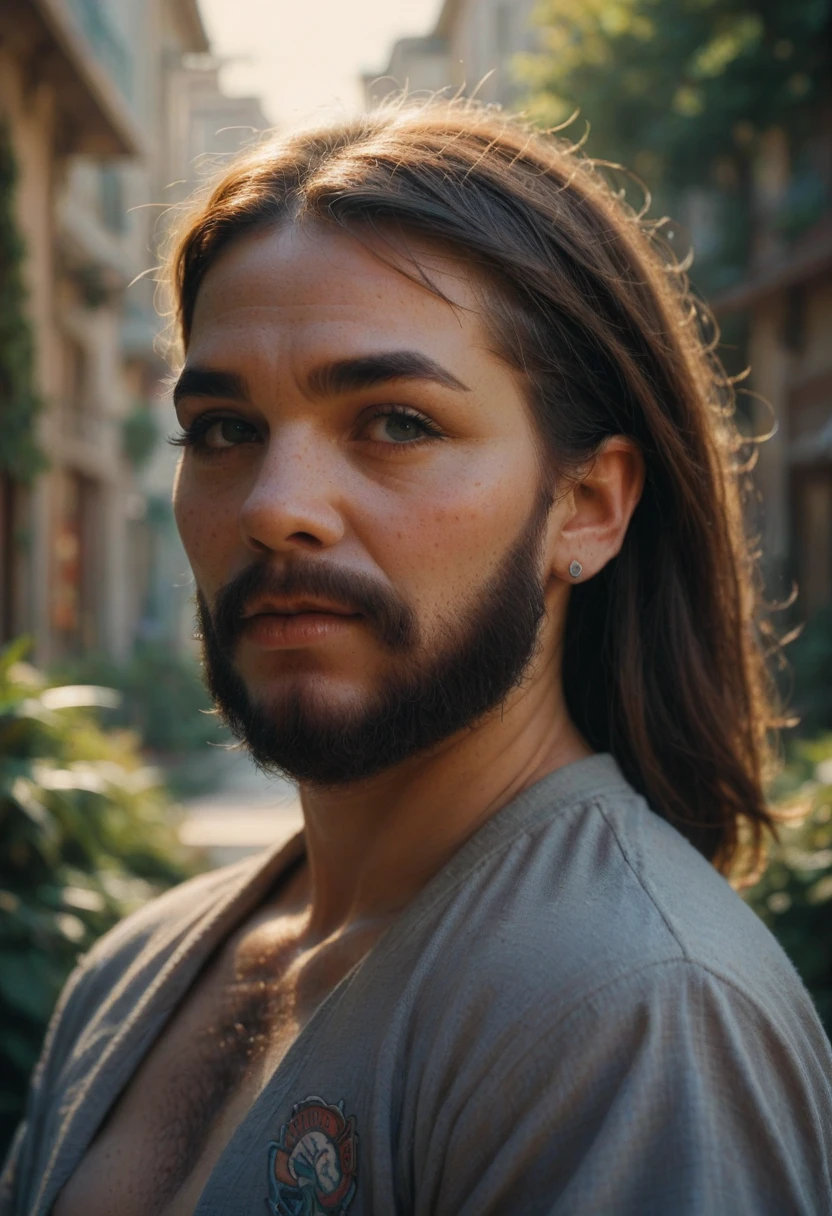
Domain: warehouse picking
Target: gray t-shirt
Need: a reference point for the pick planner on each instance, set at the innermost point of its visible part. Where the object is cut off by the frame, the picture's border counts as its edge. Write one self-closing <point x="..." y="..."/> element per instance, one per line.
<point x="576" y="1015"/>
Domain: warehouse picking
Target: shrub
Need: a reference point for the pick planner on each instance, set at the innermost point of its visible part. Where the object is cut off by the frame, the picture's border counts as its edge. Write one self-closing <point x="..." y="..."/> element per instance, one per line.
<point x="794" y="897"/>
<point x="163" y="698"/>
<point x="810" y="670"/>
<point x="86" y="835"/>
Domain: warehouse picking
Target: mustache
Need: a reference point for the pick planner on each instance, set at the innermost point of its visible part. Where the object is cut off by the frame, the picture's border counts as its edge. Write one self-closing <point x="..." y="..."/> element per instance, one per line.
<point x="391" y="619"/>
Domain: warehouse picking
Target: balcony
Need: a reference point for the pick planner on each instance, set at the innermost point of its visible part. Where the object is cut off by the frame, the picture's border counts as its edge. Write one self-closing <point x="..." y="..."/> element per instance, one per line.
<point x="72" y="44"/>
<point x="107" y="46"/>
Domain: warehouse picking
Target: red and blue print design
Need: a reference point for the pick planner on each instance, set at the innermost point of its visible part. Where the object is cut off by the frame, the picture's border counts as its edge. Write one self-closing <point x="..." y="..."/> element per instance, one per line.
<point x="313" y="1164"/>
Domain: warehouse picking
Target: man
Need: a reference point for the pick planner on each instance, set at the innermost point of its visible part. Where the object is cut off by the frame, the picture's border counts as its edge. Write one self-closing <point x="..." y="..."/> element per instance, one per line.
<point x="459" y="494"/>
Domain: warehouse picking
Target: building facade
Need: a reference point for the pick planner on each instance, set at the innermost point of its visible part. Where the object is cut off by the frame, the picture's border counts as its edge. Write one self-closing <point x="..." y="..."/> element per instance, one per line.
<point x="469" y="52"/>
<point x="786" y="300"/>
<point x="82" y="95"/>
<point x="57" y="101"/>
<point x="108" y="108"/>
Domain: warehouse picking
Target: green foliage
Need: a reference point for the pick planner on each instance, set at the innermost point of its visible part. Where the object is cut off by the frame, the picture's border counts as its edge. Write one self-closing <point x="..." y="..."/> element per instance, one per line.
<point x="163" y="697"/>
<point x="139" y="435"/>
<point x="19" y="400"/>
<point x="86" y="836"/>
<point x="794" y="897"/>
<point x="810" y="666"/>
<point x="676" y="86"/>
<point x="681" y="92"/>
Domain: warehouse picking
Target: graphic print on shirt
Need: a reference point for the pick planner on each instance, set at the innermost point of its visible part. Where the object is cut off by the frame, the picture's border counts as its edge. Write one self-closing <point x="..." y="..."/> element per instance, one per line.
<point x="313" y="1163"/>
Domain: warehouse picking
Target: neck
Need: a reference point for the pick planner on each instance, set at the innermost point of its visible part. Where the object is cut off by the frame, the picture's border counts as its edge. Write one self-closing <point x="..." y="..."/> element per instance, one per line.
<point x="373" y="845"/>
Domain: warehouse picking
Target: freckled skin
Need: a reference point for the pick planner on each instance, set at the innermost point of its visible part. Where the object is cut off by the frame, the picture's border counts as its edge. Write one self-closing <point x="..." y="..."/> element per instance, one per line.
<point x="433" y="523"/>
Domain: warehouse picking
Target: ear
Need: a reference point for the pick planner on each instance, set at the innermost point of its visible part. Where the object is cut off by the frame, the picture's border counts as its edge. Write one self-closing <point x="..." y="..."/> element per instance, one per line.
<point x="598" y="510"/>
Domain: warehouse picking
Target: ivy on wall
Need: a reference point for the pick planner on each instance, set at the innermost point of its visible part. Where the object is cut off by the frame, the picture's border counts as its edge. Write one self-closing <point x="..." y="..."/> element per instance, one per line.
<point x="19" y="400"/>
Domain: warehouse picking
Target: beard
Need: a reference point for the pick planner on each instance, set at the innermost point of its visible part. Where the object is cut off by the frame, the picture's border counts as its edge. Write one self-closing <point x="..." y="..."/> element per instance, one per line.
<point x="432" y="691"/>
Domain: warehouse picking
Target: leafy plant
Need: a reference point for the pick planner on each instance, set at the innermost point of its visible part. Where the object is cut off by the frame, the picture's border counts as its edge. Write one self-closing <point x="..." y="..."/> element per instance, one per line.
<point x="86" y="835"/>
<point x="682" y="92"/>
<point x="680" y="85"/>
<point x="810" y="668"/>
<point x="794" y="897"/>
<point x="163" y="698"/>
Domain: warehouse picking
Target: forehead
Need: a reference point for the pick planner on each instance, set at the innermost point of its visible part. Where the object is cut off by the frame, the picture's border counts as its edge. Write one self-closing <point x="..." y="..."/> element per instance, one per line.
<point x="318" y="290"/>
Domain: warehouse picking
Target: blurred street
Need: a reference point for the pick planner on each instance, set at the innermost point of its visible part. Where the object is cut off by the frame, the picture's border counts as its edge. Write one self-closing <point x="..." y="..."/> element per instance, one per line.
<point x="247" y="812"/>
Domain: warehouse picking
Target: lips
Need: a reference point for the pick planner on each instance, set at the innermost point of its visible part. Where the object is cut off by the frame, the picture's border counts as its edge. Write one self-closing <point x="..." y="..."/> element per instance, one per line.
<point x="302" y="625"/>
<point x="299" y="607"/>
<point x="267" y="595"/>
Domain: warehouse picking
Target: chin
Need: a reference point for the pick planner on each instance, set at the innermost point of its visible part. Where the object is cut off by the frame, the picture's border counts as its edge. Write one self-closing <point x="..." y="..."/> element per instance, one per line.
<point x="314" y="695"/>
<point x="315" y="736"/>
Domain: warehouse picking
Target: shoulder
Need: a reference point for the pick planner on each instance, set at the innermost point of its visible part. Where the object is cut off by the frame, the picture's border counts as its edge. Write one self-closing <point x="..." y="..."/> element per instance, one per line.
<point x="162" y="919"/>
<point x="711" y="926"/>
<point x="606" y="1019"/>
<point x="97" y="1000"/>
<point x="155" y="929"/>
<point x="637" y="893"/>
<point x="122" y="963"/>
<point x="664" y="1089"/>
<point x="604" y="902"/>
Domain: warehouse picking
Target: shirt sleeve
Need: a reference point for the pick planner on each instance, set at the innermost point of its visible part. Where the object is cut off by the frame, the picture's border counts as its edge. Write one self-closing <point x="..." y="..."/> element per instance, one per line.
<point x="666" y="1092"/>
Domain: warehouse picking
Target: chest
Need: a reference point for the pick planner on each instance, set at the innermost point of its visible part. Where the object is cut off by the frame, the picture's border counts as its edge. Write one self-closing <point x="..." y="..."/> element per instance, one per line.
<point x="168" y="1129"/>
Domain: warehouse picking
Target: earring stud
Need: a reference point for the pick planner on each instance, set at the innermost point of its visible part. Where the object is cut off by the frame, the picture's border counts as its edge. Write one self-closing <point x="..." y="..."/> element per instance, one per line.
<point x="575" y="569"/>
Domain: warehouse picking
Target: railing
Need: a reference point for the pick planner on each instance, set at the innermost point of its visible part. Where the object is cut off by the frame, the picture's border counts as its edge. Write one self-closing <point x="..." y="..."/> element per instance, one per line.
<point x="105" y="42"/>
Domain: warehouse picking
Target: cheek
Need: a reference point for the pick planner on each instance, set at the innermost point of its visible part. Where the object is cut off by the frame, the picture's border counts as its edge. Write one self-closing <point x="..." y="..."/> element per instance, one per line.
<point x="439" y="550"/>
<point x="208" y="529"/>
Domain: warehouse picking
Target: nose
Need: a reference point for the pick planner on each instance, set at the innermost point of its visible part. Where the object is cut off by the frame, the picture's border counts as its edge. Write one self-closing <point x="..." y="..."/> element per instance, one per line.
<point x="292" y="504"/>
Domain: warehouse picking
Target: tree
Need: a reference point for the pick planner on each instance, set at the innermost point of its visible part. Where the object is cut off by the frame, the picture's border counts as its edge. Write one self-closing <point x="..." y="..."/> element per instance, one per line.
<point x="687" y="82"/>
<point x="794" y="896"/>
<point x="681" y="91"/>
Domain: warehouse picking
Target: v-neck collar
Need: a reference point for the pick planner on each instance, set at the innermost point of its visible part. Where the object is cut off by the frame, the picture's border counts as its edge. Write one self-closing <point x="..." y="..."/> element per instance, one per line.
<point x="128" y="1048"/>
<point x="573" y="784"/>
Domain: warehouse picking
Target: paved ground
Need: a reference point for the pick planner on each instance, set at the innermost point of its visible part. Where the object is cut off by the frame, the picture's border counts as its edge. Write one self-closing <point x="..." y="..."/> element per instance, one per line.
<point x="247" y="812"/>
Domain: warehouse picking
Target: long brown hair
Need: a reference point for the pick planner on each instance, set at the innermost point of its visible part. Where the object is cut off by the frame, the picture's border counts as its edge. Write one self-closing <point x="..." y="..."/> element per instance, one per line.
<point x="663" y="661"/>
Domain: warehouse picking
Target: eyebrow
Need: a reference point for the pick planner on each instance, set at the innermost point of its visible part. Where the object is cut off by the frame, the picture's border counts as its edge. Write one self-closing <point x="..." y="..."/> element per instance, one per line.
<point x="366" y="371"/>
<point x="203" y="382"/>
<point x="327" y="379"/>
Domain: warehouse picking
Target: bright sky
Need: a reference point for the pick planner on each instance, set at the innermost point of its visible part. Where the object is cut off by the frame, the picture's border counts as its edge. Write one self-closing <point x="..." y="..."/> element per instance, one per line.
<point x="303" y="57"/>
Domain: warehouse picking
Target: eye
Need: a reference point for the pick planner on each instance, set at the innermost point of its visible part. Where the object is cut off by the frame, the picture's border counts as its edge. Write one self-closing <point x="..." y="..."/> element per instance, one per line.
<point x="210" y="434"/>
<point x="399" y="426"/>
<point x="228" y="433"/>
